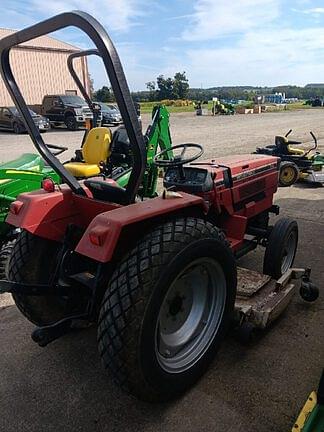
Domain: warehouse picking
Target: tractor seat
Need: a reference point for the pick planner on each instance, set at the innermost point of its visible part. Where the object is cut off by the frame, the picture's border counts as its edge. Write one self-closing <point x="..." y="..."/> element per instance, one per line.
<point x="95" y="150"/>
<point x="104" y="191"/>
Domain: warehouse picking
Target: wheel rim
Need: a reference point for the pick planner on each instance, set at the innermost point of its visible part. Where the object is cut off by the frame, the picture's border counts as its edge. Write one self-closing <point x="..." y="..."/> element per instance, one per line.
<point x="289" y="252"/>
<point x="70" y="123"/>
<point x="190" y="315"/>
<point x="288" y="175"/>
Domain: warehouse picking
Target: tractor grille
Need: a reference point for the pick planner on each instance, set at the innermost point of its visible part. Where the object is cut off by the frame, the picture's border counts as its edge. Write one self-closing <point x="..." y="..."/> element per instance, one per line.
<point x="252" y="188"/>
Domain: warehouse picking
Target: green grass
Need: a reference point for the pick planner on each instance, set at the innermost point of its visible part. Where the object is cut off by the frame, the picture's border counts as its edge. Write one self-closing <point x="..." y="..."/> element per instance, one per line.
<point x="297" y="106"/>
<point x="146" y="107"/>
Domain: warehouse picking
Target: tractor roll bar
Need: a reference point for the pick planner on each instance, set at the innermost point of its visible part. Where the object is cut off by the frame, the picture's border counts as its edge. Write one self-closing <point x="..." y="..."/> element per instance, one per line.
<point x="107" y="51"/>
<point x="70" y="59"/>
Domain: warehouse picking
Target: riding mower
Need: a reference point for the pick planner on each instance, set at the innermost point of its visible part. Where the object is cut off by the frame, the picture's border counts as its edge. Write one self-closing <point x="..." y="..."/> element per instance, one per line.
<point x="157" y="276"/>
<point x="222" y="108"/>
<point x="296" y="164"/>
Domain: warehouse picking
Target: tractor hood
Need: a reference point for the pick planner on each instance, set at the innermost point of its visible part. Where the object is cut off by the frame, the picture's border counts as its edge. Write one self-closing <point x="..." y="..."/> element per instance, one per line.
<point x="240" y="166"/>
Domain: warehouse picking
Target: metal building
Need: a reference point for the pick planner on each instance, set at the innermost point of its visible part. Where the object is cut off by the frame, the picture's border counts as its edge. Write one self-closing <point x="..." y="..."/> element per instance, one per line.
<point x="40" y="68"/>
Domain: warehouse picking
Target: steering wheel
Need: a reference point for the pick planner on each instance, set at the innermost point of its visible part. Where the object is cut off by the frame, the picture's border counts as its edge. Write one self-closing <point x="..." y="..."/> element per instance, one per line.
<point x="59" y="149"/>
<point x="177" y="161"/>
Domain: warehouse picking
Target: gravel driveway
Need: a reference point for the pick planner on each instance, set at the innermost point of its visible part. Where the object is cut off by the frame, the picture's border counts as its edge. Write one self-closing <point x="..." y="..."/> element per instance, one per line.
<point x="260" y="388"/>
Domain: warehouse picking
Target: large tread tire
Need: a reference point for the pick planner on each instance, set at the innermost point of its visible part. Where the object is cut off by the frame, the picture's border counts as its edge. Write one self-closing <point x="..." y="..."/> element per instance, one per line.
<point x="288" y="174"/>
<point x="33" y="260"/>
<point x="277" y="246"/>
<point x="131" y="305"/>
<point x="5" y="254"/>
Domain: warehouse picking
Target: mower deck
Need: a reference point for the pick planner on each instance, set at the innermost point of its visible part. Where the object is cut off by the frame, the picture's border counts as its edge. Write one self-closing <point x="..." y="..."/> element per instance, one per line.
<point x="260" y="299"/>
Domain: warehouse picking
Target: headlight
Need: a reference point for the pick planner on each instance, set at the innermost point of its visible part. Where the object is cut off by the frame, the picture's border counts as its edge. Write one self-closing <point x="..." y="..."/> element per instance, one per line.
<point x="78" y="111"/>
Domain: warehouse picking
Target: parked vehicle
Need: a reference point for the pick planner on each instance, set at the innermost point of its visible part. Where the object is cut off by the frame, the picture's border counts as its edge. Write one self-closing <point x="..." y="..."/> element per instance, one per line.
<point x="10" y="119"/>
<point x="110" y="114"/>
<point x="69" y="110"/>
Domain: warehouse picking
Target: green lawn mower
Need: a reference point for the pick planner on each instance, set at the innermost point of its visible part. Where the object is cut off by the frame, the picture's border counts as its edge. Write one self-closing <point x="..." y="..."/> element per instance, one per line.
<point x="311" y="417"/>
<point x="24" y="174"/>
<point x="296" y="163"/>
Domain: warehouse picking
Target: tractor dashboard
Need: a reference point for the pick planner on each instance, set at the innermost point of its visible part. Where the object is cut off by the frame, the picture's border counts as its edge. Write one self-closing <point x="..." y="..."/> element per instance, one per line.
<point x="190" y="180"/>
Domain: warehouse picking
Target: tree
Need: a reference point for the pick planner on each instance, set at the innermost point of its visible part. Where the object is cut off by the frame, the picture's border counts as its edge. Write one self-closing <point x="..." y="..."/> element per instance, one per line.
<point x="180" y="86"/>
<point x="165" y="88"/>
<point x="103" y="95"/>
<point x="151" y="88"/>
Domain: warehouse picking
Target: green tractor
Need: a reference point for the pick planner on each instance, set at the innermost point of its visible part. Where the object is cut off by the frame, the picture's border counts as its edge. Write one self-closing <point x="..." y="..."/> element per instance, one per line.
<point x="27" y="173"/>
<point x="24" y="174"/>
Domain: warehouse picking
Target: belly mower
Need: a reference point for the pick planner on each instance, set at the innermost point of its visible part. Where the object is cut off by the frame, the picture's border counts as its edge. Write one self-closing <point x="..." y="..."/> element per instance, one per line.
<point x="158" y="276"/>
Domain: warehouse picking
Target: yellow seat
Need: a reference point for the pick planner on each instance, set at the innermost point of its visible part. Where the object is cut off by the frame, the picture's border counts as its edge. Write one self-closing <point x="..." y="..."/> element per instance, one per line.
<point x="95" y="150"/>
<point x="296" y="151"/>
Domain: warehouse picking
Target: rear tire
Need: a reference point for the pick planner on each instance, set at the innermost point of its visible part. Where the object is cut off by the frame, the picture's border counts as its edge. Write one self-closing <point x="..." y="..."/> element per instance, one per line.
<point x="288" y="173"/>
<point x="281" y="249"/>
<point x="5" y="253"/>
<point x="33" y="260"/>
<point x="145" y="330"/>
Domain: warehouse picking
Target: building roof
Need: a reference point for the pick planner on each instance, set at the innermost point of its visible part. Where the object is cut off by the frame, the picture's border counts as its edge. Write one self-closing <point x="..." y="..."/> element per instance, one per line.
<point x="42" y="42"/>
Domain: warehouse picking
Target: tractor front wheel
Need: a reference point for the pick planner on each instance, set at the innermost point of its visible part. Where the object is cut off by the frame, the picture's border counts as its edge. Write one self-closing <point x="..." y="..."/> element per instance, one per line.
<point x="281" y="248"/>
<point x="33" y="260"/>
<point x="288" y="173"/>
<point x="166" y="309"/>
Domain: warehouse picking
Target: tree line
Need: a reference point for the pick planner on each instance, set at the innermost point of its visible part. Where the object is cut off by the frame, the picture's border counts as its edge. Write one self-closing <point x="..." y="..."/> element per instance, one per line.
<point x="178" y="88"/>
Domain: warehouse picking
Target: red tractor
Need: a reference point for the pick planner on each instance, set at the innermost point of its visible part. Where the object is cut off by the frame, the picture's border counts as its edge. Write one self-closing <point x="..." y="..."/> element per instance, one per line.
<point x="158" y="276"/>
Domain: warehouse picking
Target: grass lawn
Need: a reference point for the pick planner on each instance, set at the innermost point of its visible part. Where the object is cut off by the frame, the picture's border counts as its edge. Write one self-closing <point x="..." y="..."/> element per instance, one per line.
<point x="146" y="107"/>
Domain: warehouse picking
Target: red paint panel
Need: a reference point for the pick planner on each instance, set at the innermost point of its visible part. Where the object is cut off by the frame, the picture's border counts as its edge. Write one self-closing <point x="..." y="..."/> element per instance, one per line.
<point x="48" y="214"/>
<point x="109" y="225"/>
<point x="235" y="227"/>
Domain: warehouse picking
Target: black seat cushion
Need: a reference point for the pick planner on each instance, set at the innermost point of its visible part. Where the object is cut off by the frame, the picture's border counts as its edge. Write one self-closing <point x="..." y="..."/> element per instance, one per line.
<point x="104" y="191"/>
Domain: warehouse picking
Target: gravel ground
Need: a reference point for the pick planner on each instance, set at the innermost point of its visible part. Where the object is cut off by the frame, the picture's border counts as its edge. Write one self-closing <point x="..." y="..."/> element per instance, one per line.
<point x="257" y="388"/>
<point x="221" y="135"/>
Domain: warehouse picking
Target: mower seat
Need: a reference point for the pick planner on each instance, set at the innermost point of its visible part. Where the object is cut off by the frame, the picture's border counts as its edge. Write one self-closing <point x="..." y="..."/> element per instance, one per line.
<point x="296" y="151"/>
<point x="95" y="150"/>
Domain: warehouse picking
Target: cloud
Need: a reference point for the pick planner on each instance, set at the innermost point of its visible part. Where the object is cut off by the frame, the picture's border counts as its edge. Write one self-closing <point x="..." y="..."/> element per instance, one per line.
<point x="265" y="58"/>
<point x="218" y="18"/>
<point x="314" y="11"/>
<point x="118" y="16"/>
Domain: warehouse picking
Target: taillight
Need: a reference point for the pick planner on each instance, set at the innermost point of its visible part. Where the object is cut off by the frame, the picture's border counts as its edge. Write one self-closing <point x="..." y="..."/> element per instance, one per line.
<point x="95" y="239"/>
<point x="15" y="207"/>
<point x="48" y="185"/>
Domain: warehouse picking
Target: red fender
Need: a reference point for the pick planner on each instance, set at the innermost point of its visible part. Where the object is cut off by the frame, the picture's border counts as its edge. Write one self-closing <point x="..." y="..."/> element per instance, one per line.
<point x="47" y="214"/>
<point x="101" y="237"/>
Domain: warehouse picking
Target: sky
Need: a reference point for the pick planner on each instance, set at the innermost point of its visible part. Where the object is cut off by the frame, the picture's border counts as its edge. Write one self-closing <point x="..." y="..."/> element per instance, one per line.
<point x="216" y="42"/>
